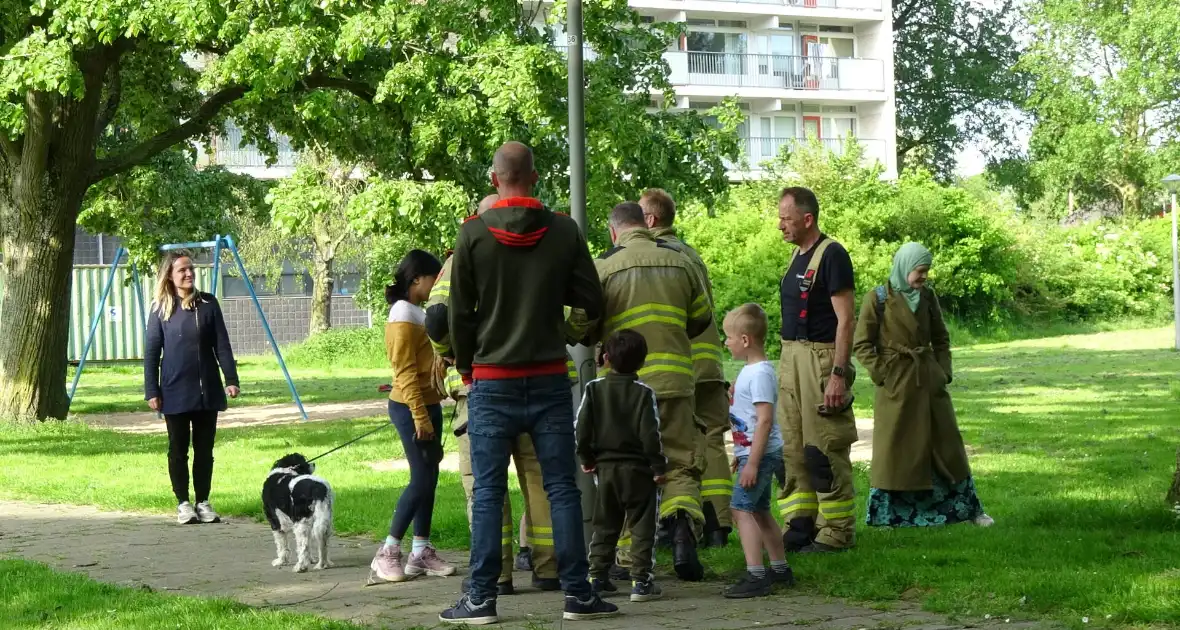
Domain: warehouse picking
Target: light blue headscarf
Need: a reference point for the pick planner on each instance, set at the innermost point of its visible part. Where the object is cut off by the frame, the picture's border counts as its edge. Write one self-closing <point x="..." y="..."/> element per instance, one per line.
<point x="908" y="258"/>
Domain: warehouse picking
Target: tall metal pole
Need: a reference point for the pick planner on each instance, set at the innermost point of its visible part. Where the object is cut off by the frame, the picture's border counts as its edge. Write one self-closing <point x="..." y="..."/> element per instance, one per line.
<point x="1175" y="273"/>
<point x="583" y="357"/>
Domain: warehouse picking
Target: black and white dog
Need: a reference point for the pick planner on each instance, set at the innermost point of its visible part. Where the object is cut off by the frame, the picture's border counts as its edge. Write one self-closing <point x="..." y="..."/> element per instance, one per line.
<point x="296" y="501"/>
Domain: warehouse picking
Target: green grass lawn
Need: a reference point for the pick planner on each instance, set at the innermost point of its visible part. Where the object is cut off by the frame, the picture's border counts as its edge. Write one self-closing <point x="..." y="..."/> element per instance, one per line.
<point x="114" y="388"/>
<point x="36" y="596"/>
<point x="1073" y="442"/>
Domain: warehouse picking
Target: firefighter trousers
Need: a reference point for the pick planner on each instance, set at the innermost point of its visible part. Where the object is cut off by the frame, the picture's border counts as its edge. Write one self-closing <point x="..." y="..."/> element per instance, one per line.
<point x="536" y="504"/>
<point x="818" y="500"/>
<point x="712" y="410"/>
<point x="684" y="446"/>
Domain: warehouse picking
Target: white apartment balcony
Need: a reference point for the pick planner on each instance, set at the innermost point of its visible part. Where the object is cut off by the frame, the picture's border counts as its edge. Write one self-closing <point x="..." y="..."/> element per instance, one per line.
<point x="791" y="77"/>
<point x="835" y="11"/>
<point x="225" y="150"/>
<point x="758" y="150"/>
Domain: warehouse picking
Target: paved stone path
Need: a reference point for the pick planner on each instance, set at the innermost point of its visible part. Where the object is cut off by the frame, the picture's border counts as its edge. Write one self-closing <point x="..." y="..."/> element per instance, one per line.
<point x="257" y="415"/>
<point x="232" y="559"/>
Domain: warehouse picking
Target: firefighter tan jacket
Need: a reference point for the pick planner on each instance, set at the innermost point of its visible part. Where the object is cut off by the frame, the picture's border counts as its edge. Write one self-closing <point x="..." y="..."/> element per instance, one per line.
<point x="706" y="347"/>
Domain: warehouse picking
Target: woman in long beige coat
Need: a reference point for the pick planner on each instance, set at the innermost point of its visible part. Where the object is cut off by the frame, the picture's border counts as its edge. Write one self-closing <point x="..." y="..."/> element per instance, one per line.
<point x="920" y="474"/>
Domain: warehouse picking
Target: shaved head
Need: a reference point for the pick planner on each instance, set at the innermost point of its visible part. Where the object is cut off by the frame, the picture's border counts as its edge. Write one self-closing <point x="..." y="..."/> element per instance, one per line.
<point x="627" y="215"/>
<point x="486" y="203"/>
<point x="513" y="169"/>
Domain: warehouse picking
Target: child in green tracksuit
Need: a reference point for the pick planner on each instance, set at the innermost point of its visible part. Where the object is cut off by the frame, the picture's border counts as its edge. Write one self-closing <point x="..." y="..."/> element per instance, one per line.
<point x="618" y="431"/>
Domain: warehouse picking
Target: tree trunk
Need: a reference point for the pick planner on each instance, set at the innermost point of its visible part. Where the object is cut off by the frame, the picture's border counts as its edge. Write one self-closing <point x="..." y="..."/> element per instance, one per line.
<point x="321" y="295"/>
<point x="35" y="310"/>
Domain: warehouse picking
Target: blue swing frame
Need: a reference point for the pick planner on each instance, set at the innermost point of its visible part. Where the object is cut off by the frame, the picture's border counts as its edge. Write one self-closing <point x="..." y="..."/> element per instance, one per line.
<point x="219" y="241"/>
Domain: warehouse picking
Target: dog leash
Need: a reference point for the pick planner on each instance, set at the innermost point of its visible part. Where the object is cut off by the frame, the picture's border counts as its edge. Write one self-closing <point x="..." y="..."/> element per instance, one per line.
<point x="442" y="438"/>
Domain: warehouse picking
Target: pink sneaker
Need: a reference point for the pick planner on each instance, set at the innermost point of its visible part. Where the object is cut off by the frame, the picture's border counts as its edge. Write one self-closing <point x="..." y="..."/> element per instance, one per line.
<point x="429" y="563"/>
<point x="387" y="566"/>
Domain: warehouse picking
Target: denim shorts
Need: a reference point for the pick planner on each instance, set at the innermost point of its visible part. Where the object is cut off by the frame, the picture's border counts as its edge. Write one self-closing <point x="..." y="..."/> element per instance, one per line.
<point x="757" y="498"/>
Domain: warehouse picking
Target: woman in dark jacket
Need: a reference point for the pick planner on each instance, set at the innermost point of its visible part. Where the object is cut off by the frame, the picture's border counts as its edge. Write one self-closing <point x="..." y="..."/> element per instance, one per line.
<point x="187" y="326"/>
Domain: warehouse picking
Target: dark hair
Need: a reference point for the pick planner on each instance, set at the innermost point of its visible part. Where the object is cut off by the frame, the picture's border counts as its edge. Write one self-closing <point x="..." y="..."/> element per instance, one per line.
<point x="804" y="200"/>
<point x="626" y="350"/>
<point x="414" y="265"/>
<point x="627" y="214"/>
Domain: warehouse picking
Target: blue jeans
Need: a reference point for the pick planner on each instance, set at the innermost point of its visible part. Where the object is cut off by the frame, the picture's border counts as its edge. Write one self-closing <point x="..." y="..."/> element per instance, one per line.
<point x="757" y="498"/>
<point x="498" y="411"/>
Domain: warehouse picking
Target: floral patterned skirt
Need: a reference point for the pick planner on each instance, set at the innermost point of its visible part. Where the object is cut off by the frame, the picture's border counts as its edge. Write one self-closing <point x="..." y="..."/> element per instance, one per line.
<point x="944" y="504"/>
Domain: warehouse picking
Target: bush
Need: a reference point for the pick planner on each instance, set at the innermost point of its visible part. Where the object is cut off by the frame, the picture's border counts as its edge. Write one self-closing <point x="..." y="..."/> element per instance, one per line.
<point x="340" y="348"/>
<point x="990" y="265"/>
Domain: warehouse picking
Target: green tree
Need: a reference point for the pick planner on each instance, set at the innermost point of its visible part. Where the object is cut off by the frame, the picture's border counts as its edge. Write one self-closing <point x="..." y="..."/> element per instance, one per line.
<point x="422" y="91"/>
<point x="953" y="77"/>
<point x="1105" y="100"/>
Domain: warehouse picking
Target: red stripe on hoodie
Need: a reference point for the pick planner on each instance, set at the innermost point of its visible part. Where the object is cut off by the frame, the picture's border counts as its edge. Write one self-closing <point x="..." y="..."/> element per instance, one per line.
<point x="511" y="239"/>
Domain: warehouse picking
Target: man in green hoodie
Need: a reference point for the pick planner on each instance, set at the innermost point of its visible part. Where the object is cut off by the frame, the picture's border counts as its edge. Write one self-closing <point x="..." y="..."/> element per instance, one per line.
<point x="515" y="268"/>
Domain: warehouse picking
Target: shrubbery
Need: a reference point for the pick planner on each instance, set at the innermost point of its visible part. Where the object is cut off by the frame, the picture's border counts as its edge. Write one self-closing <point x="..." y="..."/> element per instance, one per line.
<point x="991" y="265"/>
<point x="340" y="348"/>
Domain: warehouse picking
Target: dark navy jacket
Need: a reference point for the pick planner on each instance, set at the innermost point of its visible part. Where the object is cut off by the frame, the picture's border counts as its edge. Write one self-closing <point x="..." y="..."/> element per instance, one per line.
<point x="194" y="344"/>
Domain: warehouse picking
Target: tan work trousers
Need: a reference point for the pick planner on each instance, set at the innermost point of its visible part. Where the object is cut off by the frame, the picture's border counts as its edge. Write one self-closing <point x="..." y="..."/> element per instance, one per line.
<point x="818" y="501"/>
<point x="712" y="410"/>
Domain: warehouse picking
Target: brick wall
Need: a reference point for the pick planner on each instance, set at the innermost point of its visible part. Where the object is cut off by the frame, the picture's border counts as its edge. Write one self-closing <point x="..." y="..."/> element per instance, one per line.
<point x="289" y="318"/>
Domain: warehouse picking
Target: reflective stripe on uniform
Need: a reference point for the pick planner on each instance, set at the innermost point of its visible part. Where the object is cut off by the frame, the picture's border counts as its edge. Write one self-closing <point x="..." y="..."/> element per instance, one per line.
<point x="705" y="351"/>
<point x="666" y="362"/>
<point x="624" y="543"/>
<point x="700" y="306"/>
<point x="540" y="536"/>
<point x="441" y="348"/>
<point x="837" y="509"/>
<point x="806" y="502"/>
<point x="646" y="314"/>
<point x="441" y="290"/>
<point x="571" y="369"/>
<point x="716" y="487"/>
<point x="506" y="536"/>
<point x="671" y="505"/>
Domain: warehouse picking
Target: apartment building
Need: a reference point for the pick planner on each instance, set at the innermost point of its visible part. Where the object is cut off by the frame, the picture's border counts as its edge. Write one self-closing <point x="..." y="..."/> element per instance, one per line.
<point x="799" y="69"/>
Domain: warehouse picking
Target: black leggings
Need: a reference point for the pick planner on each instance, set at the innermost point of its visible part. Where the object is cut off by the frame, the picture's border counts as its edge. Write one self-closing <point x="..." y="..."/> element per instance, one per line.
<point x="417" y="500"/>
<point x="202" y="432"/>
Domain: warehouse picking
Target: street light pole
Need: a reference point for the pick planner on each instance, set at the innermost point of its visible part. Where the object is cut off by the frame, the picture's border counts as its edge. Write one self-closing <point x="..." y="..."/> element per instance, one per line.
<point x="583" y="357"/>
<point x="1172" y="183"/>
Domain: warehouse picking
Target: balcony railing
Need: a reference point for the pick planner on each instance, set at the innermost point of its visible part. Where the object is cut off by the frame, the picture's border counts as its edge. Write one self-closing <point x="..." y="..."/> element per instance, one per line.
<point x="863" y="5"/>
<point x="225" y="151"/>
<point x="757" y="150"/>
<point x="790" y="72"/>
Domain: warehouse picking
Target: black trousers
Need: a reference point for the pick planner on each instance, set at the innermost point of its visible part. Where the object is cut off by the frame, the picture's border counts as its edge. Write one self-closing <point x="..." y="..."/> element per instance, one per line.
<point x="626" y="495"/>
<point x="199" y="427"/>
<point x="416" y="503"/>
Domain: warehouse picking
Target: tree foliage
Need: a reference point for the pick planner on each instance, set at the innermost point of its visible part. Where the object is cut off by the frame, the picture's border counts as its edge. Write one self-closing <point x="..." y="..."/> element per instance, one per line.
<point x="1105" y="102"/>
<point x="954" y="79"/>
<point x="421" y="92"/>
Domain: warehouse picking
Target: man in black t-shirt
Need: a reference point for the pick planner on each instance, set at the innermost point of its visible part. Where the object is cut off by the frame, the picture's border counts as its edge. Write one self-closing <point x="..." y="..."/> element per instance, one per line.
<point x="815" y="377"/>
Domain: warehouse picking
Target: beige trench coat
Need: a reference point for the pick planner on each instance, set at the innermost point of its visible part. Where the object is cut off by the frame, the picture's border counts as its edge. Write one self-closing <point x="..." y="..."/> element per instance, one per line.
<point x="908" y="357"/>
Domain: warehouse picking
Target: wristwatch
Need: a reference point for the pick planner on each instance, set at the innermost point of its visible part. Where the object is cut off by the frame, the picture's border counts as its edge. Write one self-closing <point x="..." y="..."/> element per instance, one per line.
<point x="838" y="371"/>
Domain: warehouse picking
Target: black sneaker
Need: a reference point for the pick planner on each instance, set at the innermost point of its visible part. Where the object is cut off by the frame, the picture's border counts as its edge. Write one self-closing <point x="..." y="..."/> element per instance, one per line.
<point x="645" y="591"/>
<point x="622" y="574"/>
<point x="467" y="613"/>
<point x="750" y="586"/>
<point x="546" y="584"/>
<point x="602" y="588"/>
<point x="584" y="610"/>
<point x="502" y="588"/>
<point x="786" y="577"/>
<point x="524" y="560"/>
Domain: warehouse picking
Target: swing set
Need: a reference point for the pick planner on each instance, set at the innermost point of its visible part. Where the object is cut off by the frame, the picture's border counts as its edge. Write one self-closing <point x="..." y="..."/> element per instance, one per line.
<point x="219" y="242"/>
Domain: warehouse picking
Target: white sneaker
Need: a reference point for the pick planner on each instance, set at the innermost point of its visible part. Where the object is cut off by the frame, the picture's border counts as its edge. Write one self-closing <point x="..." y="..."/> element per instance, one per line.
<point x="185" y="515"/>
<point x="206" y="514"/>
<point x="983" y="520"/>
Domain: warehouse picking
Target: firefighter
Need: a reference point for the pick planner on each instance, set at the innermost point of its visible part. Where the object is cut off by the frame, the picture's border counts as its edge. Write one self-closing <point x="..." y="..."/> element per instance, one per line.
<point x="654" y="289"/>
<point x="528" y="469"/>
<point x="711" y="404"/>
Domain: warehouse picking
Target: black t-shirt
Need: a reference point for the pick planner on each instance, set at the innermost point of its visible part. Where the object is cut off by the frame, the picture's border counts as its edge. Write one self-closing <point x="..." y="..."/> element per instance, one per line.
<point x="834" y="275"/>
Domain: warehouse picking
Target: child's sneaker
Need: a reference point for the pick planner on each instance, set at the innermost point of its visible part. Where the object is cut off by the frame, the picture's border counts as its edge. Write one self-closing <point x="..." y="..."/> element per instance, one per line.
<point x="750" y="586"/>
<point x="524" y="560"/>
<point x="186" y="515"/>
<point x="468" y="613"/>
<point x="645" y="591"/>
<point x="603" y="587"/>
<point x="786" y="577"/>
<point x="428" y="562"/>
<point x="591" y="608"/>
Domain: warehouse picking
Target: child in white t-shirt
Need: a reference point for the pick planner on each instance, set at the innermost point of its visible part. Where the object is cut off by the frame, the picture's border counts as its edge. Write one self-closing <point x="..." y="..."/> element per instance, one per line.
<point x="758" y="453"/>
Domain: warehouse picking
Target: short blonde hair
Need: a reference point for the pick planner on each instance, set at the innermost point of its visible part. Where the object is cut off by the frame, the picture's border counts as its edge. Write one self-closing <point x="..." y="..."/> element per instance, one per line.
<point x="659" y="204"/>
<point x="748" y="319"/>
